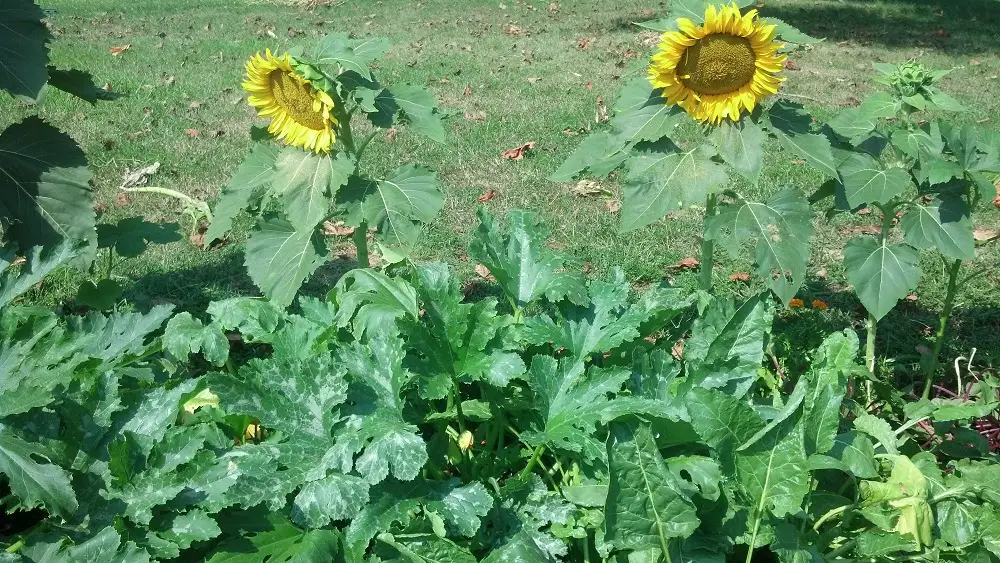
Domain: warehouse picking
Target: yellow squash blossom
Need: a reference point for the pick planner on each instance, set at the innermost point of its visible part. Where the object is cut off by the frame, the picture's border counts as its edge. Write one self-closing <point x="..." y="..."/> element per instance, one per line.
<point x="300" y="113"/>
<point x="720" y="69"/>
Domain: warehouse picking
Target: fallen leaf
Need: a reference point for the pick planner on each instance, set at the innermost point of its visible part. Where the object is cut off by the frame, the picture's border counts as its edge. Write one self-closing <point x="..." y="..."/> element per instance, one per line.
<point x="790" y="65"/>
<point x="677" y="350"/>
<point x="484" y="272"/>
<point x="468" y="90"/>
<point x="740" y="277"/>
<point x="864" y="211"/>
<point x="169" y="81"/>
<point x="534" y="79"/>
<point x="571" y="131"/>
<point x="390" y="134"/>
<point x="115" y="51"/>
<point x="478" y="116"/>
<point x="192" y="132"/>
<point x="941" y="33"/>
<point x="647" y="12"/>
<point x="139" y="176"/>
<point x="985" y="234"/>
<point x="445" y="81"/>
<point x="487" y="196"/>
<point x="911" y="297"/>
<point x="613" y="205"/>
<point x="216" y="133"/>
<point x="197" y="238"/>
<point x="106" y="87"/>
<point x="821" y="274"/>
<point x="863" y="229"/>
<point x="553" y="8"/>
<point x="517" y="153"/>
<point x="194" y="105"/>
<point x="685" y="264"/>
<point x="601" y="111"/>
<point x="513" y="30"/>
<point x="588" y="85"/>
<point x="583" y="43"/>
<point x="121" y="200"/>
<point x="588" y="187"/>
<point x="975" y="62"/>
<point x="100" y="207"/>
<point x="798" y="162"/>
<point x="338" y="229"/>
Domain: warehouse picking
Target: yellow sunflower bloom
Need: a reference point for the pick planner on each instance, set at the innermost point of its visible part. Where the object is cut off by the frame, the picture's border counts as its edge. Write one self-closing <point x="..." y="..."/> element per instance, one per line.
<point x="720" y="69"/>
<point x="300" y="114"/>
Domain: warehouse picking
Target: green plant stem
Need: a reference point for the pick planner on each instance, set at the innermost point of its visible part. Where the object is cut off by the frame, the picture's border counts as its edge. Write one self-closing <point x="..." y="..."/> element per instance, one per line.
<point x="949" y="304"/>
<point x="870" y="326"/>
<point x="111" y="262"/>
<point x="753" y="539"/>
<point x="361" y="244"/>
<point x="16" y="546"/>
<point x="457" y="399"/>
<point x="847" y="546"/>
<point x="364" y="144"/>
<point x="230" y="368"/>
<point x="531" y="463"/>
<point x="707" y="247"/>
<point x="835" y="513"/>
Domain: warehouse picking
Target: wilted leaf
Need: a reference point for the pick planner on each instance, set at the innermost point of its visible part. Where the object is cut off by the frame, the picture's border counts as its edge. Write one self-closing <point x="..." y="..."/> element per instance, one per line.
<point x="517" y="153"/>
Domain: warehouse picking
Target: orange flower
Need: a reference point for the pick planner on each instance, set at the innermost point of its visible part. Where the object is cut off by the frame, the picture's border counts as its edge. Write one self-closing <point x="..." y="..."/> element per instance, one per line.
<point x="817" y="304"/>
<point x="796" y="303"/>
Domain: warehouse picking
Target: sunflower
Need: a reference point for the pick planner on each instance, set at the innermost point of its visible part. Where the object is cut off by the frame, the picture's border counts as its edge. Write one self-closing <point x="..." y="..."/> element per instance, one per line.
<point x="299" y="112"/>
<point x="721" y="68"/>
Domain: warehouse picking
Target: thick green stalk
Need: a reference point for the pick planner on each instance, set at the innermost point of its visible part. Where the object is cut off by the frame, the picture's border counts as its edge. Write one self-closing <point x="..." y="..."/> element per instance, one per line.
<point x="361" y="244"/>
<point x="532" y="463"/>
<point x="949" y="304"/>
<point x="870" y="327"/>
<point x="707" y="247"/>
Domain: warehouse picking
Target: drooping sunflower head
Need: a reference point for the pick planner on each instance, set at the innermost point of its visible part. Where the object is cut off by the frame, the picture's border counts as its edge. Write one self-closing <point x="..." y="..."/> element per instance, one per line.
<point x="720" y="69"/>
<point x="300" y="113"/>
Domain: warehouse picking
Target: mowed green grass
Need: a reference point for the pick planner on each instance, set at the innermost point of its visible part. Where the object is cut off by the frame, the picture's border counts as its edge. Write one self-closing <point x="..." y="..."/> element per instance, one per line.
<point x="531" y="73"/>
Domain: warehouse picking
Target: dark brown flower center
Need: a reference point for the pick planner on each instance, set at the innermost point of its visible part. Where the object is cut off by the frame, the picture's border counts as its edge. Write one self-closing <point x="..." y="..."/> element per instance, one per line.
<point x="717" y="64"/>
<point x="296" y="99"/>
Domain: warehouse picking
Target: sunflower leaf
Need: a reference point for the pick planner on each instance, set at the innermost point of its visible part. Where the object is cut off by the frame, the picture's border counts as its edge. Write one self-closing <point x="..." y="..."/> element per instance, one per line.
<point x="790" y="33"/>
<point x="944" y="224"/>
<point x="641" y="114"/>
<point x="280" y="258"/>
<point x="45" y="192"/>
<point x="419" y="108"/>
<point x="23" y="39"/>
<point x="247" y="186"/>
<point x="867" y="181"/>
<point x="130" y="236"/>
<point x="662" y="182"/>
<point x="741" y="145"/>
<point x="782" y="227"/>
<point x="882" y="273"/>
<point x="598" y="154"/>
<point x="350" y="54"/>
<point x="790" y="123"/>
<point x="307" y="184"/>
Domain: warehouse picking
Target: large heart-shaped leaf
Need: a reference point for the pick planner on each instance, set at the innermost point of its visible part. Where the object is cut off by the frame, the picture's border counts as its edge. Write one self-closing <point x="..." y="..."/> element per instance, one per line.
<point x="419" y="108"/>
<point x="944" y="224"/>
<point x="44" y="185"/>
<point x="881" y="273"/>
<point x="246" y="187"/>
<point x="350" y="54"/>
<point x="867" y="181"/>
<point x="641" y="114"/>
<point x="280" y="258"/>
<point x="307" y="183"/>
<point x="34" y="483"/>
<point x="790" y="123"/>
<point x="22" y="42"/>
<point x="781" y="226"/>
<point x="662" y="182"/>
<point x="396" y="205"/>
<point x="741" y="145"/>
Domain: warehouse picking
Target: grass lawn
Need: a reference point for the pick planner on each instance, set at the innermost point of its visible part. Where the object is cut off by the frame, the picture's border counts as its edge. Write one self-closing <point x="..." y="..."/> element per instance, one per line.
<point x="507" y="72"/>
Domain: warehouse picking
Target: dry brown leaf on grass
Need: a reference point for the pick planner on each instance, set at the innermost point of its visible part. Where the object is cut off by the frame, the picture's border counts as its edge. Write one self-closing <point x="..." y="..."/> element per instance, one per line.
<point x="613" y="205"/>
<point x="586" y="188"/>
<point x="115" y="51"/>
<point x="685" y="264"/>
<point x="139" y="176"/>
<point x="553" y="8"/>
<point x="740" y="277"/>
<point x="484" y="272"/>
<point x="338" y="229"/>
<point x="487" y="196"/>
<point x="477" y="116"/>
<point x="582" y="43"/>
<point x="517" y="153"/>
<point x="985" y="234"/>
<point x="534" y="79"/>
<point x="468" y="91"/>
<point x="192" y="132"/>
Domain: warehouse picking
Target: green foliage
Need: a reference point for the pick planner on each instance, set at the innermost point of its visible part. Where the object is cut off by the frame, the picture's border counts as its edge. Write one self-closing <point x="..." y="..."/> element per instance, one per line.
<point x="397" y="420"/>
<point x="294" y="191"/>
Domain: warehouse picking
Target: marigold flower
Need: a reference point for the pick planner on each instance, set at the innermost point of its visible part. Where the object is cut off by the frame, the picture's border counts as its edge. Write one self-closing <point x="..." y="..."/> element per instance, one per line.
<point x="796" y="303"/>
<point x="817" y="304"/>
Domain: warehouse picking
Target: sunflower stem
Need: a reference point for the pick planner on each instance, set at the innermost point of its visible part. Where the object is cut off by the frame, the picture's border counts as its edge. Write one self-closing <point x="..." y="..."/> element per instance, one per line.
<point x="361" y="244"/>
<point x="949" y="304"/>
<point x="707" y="246"/>
<point x="364" y="144"/>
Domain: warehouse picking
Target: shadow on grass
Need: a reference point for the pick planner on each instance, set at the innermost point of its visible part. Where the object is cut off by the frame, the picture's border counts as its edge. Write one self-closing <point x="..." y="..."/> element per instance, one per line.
<point x="192" y="289"/>
<point x="904" y="334"/>
<point x="951" y="26"/>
